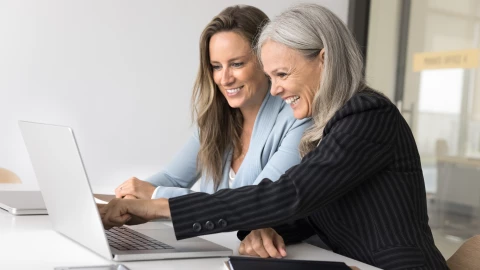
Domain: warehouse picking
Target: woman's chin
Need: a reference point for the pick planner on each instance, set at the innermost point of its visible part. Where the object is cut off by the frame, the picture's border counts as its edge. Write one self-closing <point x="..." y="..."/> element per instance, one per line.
<point x="299" y="114"/>
<point x="234" y="103"/>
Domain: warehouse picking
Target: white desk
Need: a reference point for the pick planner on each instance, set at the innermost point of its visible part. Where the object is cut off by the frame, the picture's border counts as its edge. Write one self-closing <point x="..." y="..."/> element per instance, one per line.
<point x="29" y="242"/>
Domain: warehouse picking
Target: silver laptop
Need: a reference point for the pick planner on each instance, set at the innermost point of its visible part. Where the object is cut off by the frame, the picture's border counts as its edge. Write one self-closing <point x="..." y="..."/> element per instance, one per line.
<point x="22" y="202"/>
<point x="71" y="206"/>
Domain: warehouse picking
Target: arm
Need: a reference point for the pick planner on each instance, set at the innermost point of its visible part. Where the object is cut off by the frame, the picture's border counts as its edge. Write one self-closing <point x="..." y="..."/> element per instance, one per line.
<point x="287" y="154"/>
<point x="291" y="233"/>
<point x="180" y="174"/>
<point x="357" y="145"/>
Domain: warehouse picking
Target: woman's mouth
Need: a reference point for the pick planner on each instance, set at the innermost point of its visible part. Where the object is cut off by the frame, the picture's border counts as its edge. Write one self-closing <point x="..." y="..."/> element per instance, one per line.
<point x="292" y="100"/>
<point x="233" y="91"/>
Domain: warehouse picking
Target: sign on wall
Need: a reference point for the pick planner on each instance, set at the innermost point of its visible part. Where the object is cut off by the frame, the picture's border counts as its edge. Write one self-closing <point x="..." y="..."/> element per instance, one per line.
<point x="449" y="59"/>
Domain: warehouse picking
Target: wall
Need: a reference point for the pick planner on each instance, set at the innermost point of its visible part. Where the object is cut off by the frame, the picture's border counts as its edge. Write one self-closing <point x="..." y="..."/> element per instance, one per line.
<point x="118" y="72"/>
<point x="382" y="47"/>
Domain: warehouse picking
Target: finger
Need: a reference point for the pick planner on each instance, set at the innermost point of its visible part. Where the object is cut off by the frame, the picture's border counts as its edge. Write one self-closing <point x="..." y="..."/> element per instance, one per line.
<point x="125" y="190"/>
<point x="249" y="248"/>
<point x="117" y="192"/>
<point x="354" y="268"/>
<point x="130" y="197"/>
<point x="268" y="244"/>
<point x="241" y="249"/>
<point x="280" y="244"/>
<point x="259" y="248"/>
<point x="101" y="209"/>
<point x="248" y="243"/>
<point x="121" y="190"/>
<point x="115" y="214"/>
<point x="117" y="221"/>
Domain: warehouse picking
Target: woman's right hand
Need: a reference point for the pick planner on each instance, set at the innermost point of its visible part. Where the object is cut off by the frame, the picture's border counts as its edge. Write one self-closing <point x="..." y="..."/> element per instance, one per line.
<point x="119" y="212"/>
<point x="263" y="243"/>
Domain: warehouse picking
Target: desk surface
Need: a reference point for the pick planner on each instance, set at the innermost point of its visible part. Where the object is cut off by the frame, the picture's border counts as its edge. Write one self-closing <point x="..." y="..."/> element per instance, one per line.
<point x="29" y="242"/>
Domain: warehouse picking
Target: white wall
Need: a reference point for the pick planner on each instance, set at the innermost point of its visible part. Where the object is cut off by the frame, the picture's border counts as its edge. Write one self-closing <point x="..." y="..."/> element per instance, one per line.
<point x="382" y="48"/>
<point x="118" y="72"/>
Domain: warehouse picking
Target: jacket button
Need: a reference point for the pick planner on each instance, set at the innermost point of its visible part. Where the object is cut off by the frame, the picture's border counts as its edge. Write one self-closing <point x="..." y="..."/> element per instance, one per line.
<point x="222" y="223"/>
<point x="197" y="227"/>
<point x="209" y="225"/>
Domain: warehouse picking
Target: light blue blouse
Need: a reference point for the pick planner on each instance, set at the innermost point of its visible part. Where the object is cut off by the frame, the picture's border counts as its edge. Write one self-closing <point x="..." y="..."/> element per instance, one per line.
<point x="273" y="150"/>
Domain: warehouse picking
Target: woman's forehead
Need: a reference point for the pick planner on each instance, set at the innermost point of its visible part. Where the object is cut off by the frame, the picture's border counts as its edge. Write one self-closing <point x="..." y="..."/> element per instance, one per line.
<point x="228" y="45"/>
<point x="274" y="54"/>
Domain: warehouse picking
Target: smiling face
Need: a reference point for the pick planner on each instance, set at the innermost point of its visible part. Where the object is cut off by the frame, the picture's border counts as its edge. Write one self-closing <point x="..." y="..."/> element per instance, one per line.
<point x="236" y="70"/>
<point x="294" y="78"/>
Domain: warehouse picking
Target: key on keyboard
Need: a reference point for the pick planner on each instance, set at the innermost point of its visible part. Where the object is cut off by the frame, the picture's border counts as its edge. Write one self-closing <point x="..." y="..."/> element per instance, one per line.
<point x="123" y="238"/>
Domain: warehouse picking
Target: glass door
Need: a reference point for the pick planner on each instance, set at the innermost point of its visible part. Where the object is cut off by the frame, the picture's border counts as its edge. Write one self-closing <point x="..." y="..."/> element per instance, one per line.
<point x="428" y="51"/>
<point x="441" y="102"/>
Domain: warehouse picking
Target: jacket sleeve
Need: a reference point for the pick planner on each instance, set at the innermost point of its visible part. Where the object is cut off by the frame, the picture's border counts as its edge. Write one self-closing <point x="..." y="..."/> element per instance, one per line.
<point x="287" y="154"/>
<point x="357" y="144"/>
<point x="291" y="233"/>
<point x="180" y="174"/>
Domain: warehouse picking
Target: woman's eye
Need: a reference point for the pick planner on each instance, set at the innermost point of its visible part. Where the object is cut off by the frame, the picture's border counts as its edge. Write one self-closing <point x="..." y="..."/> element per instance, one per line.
<point x="282" y="75"/>
<point x="216" y="67"/>
<point x="239" y="64"/>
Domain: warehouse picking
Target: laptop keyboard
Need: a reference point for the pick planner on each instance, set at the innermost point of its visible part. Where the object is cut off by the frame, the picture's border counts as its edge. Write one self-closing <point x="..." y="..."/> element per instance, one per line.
<point x="123" y="238"/>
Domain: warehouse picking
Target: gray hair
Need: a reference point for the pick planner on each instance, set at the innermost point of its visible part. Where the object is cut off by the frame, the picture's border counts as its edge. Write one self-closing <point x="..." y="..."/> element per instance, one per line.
<point x="309" y="28"/>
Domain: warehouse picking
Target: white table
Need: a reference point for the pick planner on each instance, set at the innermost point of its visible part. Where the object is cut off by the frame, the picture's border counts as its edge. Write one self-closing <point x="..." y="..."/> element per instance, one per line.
<point x="29" y="242"/>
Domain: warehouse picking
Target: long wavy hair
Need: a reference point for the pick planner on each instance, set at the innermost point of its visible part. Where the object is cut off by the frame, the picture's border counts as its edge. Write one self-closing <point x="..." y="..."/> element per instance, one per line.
<point x="220" y="126"/>
<point x="309" y="28"/>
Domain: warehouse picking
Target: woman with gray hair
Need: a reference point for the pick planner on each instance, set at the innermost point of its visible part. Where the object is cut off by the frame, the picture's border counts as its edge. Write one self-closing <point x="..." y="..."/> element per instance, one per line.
<point x="359" y="186"/>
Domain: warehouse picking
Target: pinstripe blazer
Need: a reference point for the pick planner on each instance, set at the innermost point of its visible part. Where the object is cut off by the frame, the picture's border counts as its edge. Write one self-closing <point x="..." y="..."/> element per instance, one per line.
<point x="361" y="190"/>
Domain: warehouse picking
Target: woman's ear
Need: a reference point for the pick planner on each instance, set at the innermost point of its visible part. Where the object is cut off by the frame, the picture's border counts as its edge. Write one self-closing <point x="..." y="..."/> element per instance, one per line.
<point x="322" y="56"/>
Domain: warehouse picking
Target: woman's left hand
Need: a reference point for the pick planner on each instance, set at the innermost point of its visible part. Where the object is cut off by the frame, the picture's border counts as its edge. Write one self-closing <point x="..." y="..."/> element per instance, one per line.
<point x="119" y="212"/>
<point x="263" y="243"/>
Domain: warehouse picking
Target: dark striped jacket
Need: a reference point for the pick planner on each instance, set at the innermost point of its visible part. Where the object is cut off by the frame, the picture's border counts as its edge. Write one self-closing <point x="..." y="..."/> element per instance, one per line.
<point x="361" y="190"/>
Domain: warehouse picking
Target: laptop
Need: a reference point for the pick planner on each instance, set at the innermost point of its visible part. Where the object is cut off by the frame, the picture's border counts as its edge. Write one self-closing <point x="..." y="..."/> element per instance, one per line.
<point x="68" y="197"/>
<point x="22" y="203"/>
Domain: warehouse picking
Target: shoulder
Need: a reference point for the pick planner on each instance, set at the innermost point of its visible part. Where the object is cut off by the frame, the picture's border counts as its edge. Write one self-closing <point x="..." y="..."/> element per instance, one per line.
<point x="366" y="108"/>
<point x="366" y="100"/>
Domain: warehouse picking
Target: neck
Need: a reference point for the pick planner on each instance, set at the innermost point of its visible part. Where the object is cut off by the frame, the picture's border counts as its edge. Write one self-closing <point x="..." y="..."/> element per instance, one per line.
<point x="249" y="115"/>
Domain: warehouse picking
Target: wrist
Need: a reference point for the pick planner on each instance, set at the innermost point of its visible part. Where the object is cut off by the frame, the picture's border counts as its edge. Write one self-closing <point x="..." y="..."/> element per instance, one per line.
<point x="151" y="190"/>
<point x="162" y="208"/>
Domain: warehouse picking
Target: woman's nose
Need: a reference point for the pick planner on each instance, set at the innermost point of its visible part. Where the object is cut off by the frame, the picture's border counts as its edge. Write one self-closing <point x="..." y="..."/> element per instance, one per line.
<point x="276" y="89"/>
<point x="227" y="77"/>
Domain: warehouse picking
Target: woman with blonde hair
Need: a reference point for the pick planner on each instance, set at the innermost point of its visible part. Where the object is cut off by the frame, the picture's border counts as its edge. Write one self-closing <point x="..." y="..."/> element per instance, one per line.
<point x="359" y="186"/>
<point x="243" y="133"/>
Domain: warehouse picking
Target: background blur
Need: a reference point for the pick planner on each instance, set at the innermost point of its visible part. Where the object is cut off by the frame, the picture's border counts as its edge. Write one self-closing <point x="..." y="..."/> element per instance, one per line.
<point x="425" y="56"/>
<point x="120" y="73"/>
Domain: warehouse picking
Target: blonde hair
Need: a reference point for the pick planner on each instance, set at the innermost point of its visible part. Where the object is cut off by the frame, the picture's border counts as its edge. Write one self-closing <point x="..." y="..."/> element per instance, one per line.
<point x="220" y="126"/>
<point x="309" y="28"/>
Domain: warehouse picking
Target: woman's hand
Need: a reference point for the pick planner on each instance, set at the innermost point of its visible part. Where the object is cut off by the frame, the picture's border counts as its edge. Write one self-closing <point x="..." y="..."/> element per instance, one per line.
<point x="119" y="212"/>
<point x="263" y="243"/>
<point x="136" y="188"/>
